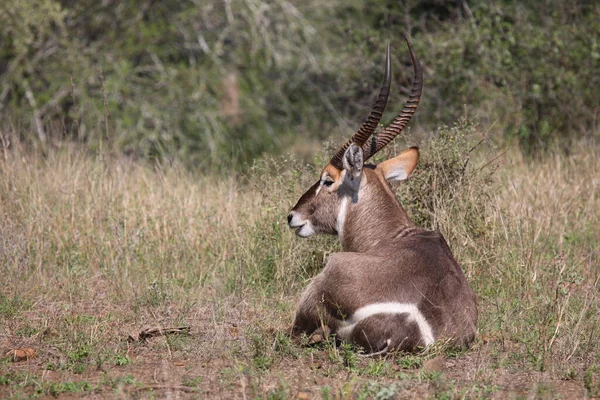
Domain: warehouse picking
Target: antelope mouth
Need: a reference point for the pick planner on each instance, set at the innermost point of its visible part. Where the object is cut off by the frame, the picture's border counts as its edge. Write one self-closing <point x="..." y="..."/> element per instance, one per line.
<point x="303" y="227"/>
<point x="297" y="227"/>
<point x="305" y="230"/>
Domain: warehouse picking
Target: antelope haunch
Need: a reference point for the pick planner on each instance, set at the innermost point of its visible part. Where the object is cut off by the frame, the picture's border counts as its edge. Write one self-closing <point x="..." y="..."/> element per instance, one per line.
<point x="395" y="286"/>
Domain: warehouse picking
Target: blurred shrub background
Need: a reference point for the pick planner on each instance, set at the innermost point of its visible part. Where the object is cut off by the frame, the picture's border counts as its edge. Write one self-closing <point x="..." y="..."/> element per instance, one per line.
<point x="209" y="82"/>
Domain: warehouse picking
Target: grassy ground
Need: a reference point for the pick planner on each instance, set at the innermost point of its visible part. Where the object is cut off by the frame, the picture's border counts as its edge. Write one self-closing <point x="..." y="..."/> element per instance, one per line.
<point x="95" y="249"/>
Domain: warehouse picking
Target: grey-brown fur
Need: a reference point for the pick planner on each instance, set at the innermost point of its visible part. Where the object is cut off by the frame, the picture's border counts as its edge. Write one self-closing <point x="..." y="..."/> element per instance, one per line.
<point x="385" y="259"/>
<point x="371" y="333"/>
<point x="395" y="286"/>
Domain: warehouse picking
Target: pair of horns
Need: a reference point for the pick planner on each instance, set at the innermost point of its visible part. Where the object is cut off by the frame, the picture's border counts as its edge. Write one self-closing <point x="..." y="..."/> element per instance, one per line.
<point x="379" y="141"/>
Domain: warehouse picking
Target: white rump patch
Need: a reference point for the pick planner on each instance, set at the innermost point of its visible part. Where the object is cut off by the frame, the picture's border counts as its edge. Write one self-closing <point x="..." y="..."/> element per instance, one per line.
<point x="414" y="315"/>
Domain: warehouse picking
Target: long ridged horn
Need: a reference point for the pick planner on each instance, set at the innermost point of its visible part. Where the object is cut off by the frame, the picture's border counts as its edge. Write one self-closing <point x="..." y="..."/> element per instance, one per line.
<point x="370" y="124"/>
<point x="381" y="139"/>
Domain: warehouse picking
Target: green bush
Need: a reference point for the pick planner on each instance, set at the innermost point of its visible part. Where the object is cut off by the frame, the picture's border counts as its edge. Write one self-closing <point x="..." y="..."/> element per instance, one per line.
<point x="222" y="81"/>
<point x="529" y="69"/>
<point x="445" y="182"/>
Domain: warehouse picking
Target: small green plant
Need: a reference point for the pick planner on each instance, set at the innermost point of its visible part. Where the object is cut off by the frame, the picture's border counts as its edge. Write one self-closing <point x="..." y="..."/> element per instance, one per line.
<point x="191" y="382"/>
<point x="409" y="361"/>
<point x="345" y="353"/>
<point x="262" y="362"/>
<point x="79" y="368"/>
<point x="377" y="367"/>
<point x="11" y="306"/>
<point x="27" y="331"/>
<point x="5" y="379"/>
<point x="79" y="354"/>
<point x="121" y="360"/>
<point x="570" y="374"/>
<point x="591" y="380"/>
<point x="228" y="375"/>
<point x="483" y="391"/>
<point x="326" y="393"/>
<point x="79" y="320"/>
<point x="375" y="390"/>
<point x="77" y="358"/>
<point x="284" y="346"/>
<point x="261" y="357"/>
<point x="118" y="381"/>
<point x="349" y="356"/>
<point x="56" y="389"/>
<point x="281" y="392"/>
<point x="430" y="376"/>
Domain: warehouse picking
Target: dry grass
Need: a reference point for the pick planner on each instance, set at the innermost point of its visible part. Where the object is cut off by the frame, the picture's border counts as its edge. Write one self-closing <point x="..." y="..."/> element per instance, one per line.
<point x="93" y="248"/>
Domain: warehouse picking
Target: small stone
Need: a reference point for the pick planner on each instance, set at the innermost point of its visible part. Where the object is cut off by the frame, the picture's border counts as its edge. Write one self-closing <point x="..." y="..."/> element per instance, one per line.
<point x="304" y="395"/>
<point x="435" y="364"/>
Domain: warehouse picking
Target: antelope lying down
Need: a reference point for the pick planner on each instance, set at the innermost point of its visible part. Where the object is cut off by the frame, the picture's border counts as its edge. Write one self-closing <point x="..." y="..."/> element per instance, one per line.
<point x="395" y="286"/>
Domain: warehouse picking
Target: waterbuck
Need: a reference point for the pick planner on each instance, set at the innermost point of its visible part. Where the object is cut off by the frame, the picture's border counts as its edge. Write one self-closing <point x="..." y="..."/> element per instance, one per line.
<point x="395" y="286"/>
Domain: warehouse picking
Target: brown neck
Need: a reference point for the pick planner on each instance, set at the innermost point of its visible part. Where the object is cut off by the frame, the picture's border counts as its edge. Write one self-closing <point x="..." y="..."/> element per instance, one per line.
<point x="373" y="217"/>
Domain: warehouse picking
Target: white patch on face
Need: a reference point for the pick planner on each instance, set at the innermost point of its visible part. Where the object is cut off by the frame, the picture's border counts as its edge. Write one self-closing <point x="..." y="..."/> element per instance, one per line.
<point x="414" y="315"/>
<point x="305" y="227"/>
<point x="306" y="230"/>
<point x="296" y="220"/>
<point x="341" y="218"/>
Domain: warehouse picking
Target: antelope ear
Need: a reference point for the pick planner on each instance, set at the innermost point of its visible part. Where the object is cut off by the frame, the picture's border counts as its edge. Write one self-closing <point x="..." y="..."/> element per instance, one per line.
<point x="399" y="167"/>
<point x="353" y="161"/>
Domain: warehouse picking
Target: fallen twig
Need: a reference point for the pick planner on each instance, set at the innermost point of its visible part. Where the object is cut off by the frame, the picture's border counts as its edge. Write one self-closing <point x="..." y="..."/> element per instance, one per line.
<point x="169" y="387"/>
<point x="157" y="331"/>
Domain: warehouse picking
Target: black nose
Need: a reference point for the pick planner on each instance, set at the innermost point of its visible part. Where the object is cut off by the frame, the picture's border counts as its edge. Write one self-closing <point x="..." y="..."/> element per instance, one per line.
<point x="289" y="218"/>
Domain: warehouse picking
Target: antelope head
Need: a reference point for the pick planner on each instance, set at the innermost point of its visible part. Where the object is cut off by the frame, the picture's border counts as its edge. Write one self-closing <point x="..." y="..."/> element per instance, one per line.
<point x="350" y="194"/>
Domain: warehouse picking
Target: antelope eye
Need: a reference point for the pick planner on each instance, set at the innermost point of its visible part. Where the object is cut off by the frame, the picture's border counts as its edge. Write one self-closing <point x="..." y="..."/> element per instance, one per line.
<point x="327" y="183"/>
